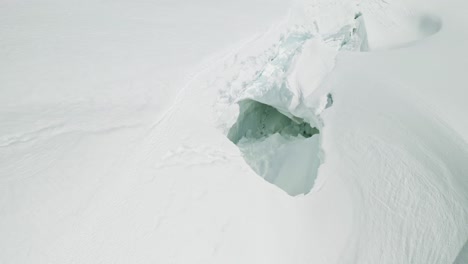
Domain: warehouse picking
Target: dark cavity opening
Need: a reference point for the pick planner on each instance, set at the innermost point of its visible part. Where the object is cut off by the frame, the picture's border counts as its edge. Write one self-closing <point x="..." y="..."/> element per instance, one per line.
<point x="257" y="120"/>
<point x="281" y="148"/>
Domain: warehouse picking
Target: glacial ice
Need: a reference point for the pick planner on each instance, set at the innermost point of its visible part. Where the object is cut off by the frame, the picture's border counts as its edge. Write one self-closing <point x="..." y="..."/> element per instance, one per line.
<point x="257" y="120"/>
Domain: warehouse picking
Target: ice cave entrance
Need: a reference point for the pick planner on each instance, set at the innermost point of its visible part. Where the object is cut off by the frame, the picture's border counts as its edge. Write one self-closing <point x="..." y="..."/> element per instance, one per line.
<point x="283" y="150"/>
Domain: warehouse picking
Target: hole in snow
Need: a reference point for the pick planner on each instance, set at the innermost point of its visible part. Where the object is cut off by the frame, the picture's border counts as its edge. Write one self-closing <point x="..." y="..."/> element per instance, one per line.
<point x="429" y="24"/>
<point x="281" y="148"/>
<point x="329" y="101"/>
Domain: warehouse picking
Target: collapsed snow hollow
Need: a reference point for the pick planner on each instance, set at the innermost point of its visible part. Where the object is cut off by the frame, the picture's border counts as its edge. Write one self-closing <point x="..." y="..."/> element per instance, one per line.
<point x="277" y="129"/>
<point x="267" y="140"/>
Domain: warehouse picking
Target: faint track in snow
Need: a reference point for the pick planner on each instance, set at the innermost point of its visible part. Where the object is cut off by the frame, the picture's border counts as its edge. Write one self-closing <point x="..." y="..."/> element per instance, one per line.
<point x="187" y="156"/>
<point x="7" y="141"/>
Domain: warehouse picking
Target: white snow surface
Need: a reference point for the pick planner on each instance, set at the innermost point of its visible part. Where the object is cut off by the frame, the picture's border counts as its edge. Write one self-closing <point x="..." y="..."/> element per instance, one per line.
<point x="115" y="142"/>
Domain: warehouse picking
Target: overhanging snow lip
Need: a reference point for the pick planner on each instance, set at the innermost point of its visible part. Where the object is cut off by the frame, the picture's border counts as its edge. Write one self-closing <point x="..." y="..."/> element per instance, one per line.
<point x="246" y="106"/>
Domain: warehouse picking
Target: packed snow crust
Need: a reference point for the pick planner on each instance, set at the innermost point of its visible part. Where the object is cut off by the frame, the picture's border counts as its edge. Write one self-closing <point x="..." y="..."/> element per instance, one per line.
<point x="135" y="131"/>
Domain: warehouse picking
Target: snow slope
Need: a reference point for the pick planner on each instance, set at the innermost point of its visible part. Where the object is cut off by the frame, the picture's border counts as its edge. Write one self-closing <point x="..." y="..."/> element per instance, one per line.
<point x="128" y="132"/>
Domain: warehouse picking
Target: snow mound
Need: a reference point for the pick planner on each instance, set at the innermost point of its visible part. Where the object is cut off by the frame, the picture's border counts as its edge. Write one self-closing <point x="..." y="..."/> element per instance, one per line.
<point x="398" y="24"/>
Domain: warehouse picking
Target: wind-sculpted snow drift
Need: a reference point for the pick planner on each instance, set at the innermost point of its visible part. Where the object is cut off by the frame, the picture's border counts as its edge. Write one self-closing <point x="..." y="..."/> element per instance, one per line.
<point x="398" y="25"/>
<point x="106" y="158"/>
<point x="280" y="108"/>
<point x="401" y="163"/>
